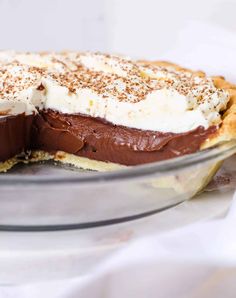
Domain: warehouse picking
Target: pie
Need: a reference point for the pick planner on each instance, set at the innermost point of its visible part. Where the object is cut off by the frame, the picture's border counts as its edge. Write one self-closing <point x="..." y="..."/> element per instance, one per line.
<point x="102" y="112"/>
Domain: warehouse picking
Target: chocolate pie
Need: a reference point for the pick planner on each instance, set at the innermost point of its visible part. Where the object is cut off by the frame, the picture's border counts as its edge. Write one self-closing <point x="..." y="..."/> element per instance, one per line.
<point x="102" y="112"/>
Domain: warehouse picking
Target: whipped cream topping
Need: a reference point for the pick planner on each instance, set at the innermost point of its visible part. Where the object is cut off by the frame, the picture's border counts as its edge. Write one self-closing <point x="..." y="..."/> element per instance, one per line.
<point x="119" y="90"/>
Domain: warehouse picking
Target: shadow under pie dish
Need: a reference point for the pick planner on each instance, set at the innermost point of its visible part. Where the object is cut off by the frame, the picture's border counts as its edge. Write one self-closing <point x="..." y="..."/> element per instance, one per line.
<point x="103" y="112"/>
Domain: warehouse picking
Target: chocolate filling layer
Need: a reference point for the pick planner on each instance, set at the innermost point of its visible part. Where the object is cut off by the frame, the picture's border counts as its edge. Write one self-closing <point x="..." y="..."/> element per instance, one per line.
<point x="96" y="139"/>
<point x="15" y="135"/>
<point x="93" y="138"/>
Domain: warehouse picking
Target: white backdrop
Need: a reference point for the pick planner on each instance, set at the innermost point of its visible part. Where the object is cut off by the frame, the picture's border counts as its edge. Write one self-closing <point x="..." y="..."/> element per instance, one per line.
<point x="53" y="24"/>
<point x="149" y="27"/>
<point x="135" y="27"/>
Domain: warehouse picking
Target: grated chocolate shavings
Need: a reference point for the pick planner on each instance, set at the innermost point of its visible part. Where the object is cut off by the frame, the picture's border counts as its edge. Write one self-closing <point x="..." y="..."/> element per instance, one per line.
<point x="107" y="75"/>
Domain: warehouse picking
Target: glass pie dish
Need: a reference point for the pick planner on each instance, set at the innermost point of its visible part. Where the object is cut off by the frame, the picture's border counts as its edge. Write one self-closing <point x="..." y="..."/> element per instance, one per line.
<point x="49" y="196"/>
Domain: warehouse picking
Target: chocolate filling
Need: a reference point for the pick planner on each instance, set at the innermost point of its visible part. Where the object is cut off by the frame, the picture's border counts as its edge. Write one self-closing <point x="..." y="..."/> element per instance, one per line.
<point x="15" y="135"/>
<point x="94" y="138"/>
<point x="97" y="139"/>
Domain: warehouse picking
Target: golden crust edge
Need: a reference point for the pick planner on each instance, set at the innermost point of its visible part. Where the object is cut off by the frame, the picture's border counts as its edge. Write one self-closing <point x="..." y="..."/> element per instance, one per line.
<point x="86" y="163"/>
<point x="35" y="157"/>
<point x="74" y="160"/>
<point x="65" y="158"/>
<point x="8" y="164"/>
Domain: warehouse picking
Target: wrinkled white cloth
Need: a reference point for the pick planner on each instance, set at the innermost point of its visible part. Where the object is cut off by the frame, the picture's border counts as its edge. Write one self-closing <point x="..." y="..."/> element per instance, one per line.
<point x="195" y="261"/>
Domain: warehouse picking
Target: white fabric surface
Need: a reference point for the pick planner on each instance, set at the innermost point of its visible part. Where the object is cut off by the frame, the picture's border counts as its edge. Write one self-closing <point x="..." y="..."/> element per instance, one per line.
<point x="195" y="261"/>
<point x="198" y="260"/>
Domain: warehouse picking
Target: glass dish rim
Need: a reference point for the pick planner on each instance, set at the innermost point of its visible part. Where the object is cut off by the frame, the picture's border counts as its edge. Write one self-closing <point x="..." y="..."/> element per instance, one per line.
<point x="140" y="171"/>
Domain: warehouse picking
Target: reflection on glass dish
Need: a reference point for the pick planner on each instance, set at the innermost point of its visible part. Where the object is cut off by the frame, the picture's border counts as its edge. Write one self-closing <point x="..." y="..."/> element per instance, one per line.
<point x="49" y="197"/>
